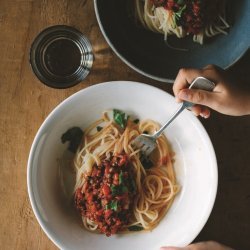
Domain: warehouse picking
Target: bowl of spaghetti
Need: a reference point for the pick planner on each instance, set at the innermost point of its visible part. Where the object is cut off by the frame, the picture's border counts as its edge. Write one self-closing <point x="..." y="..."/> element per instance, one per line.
<point x="158" y="37"/>
<point x="89" y="186"/>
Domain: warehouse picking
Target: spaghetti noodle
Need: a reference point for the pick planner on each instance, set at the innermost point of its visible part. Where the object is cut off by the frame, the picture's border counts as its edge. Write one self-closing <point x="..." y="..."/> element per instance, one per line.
<point x="115" y="191"/>
<point x="183" y="17"/>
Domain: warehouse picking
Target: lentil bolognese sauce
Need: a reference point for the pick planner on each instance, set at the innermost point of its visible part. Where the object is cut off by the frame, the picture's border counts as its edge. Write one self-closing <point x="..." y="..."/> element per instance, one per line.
<point x="200" y="18"/>
<point x="107" y="196"/>
<point x="115" y="191"/>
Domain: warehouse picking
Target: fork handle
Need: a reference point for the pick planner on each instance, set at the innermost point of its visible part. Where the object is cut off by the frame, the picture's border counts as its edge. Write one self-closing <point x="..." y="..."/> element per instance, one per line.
<point x="198" y="83"/>
<point x="178" y="111"/>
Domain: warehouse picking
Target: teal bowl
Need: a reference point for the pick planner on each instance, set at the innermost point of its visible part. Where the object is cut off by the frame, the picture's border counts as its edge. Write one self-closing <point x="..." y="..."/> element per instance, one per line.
<point x="146" y="52"/>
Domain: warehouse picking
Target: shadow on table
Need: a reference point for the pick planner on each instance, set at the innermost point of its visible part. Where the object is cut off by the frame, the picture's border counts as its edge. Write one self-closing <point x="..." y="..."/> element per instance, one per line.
<point x="229" y="222"/>
<point x="241" y="69"/>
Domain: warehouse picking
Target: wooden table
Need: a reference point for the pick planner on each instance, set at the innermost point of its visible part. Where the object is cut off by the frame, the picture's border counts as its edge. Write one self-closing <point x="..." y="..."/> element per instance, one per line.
<point x="25" y="102"/>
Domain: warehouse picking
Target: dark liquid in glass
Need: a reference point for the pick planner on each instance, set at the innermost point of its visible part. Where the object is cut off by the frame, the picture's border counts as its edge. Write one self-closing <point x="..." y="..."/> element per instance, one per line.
<point x="62" y="57"/>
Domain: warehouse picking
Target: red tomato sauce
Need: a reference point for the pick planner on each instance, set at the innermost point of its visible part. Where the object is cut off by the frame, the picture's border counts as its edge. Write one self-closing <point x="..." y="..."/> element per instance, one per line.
<point x="107" y="196"/>
<point x="190" y="14"/>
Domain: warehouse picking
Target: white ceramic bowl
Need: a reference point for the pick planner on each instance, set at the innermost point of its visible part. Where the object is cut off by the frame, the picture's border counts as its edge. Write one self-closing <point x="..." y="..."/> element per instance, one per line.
<point x="195" y="166"/>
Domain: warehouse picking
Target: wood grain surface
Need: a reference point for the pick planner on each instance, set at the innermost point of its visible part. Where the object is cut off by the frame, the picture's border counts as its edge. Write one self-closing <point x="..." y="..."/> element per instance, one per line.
<point x="25" y="102"/>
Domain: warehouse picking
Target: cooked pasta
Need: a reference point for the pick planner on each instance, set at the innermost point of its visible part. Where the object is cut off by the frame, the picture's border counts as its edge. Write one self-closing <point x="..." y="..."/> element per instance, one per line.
<point x="199" y="18"/>
<point x="115" y="190"/>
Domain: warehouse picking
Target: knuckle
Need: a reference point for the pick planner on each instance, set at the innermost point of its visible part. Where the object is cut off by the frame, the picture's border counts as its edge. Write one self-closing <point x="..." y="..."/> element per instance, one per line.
<point x="210" y="66"/>
<point x="198" y="97"/>
<point x="213" y="68"/>
<point x="190" y="97"/>
<point x="199" y="72"/>
<point x="188" y="73"/>
<point x="183" y="71"/>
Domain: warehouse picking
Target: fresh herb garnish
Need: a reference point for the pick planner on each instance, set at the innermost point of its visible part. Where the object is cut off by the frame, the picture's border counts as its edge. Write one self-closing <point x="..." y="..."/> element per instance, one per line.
<point x="118" y="190"/>
<point x="124" y="189"/>
<point x="180" y="11"/>
<point x="136" y="121"/>
<point x="112" y="205"/>
<point x="99" y="128"/>
<point x="180" y="2"/>
<point x="120" y="118"/>
<point x="74" y="136"/>
<point x="147" y="163"/>
<point x="135" y="228"/>
<point x="114" y="190"/>
<point x="178" y="14"/>
<point x="133" y="186"/>
<point x="121" y="178"/>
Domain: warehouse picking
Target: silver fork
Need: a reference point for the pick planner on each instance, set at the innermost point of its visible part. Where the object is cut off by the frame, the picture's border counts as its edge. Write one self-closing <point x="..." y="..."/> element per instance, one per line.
<point x="147" y="143"/>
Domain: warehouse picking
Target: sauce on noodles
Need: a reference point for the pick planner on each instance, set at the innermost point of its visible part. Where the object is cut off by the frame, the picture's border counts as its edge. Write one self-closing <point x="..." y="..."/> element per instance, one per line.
<point x="107" y="196"/>
<point x="114" y="191"/>
<point x="200" y="18"/>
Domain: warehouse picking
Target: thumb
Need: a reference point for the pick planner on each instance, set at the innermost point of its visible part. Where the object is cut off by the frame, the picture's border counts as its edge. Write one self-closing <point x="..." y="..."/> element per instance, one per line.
<point x="197" y="96"/>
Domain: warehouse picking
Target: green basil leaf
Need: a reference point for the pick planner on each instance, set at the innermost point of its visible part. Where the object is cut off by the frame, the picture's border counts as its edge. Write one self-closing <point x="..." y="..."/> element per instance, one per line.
<point x="147" y="163"/>
<point x="121" y="178"/>
<point x="135" y="228"/>
<point x="119" y="190"/>
<point x="74" y="136"/>
<point x="99" y="128"/>
<point x="180" y="2"/>
<point x="133" y="186"/>
<point x="120" y="118"/>
<point x="124" y="189"/>
<point x="112" y="205"/>
<point x="115" y="190"/>
<point x="136" y="121"/>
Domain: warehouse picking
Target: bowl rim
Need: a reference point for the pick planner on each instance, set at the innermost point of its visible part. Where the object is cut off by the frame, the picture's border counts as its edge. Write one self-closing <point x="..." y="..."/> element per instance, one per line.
<point x="51" y="235"/>
<point x="154" y="77"/>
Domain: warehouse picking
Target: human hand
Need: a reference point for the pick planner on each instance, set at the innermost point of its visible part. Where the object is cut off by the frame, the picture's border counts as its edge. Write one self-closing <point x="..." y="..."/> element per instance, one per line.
<point x="208" y="245"/>
<point x="227" y="97"/>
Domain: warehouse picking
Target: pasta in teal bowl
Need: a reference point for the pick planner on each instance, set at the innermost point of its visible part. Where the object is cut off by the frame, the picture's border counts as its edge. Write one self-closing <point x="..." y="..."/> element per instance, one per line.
<point x="157" y="38"/>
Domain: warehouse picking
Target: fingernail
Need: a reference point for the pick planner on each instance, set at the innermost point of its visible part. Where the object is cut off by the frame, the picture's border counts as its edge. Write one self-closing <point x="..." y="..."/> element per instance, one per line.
<point x="206" y="115"/>
<point x="183" y="94"/>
